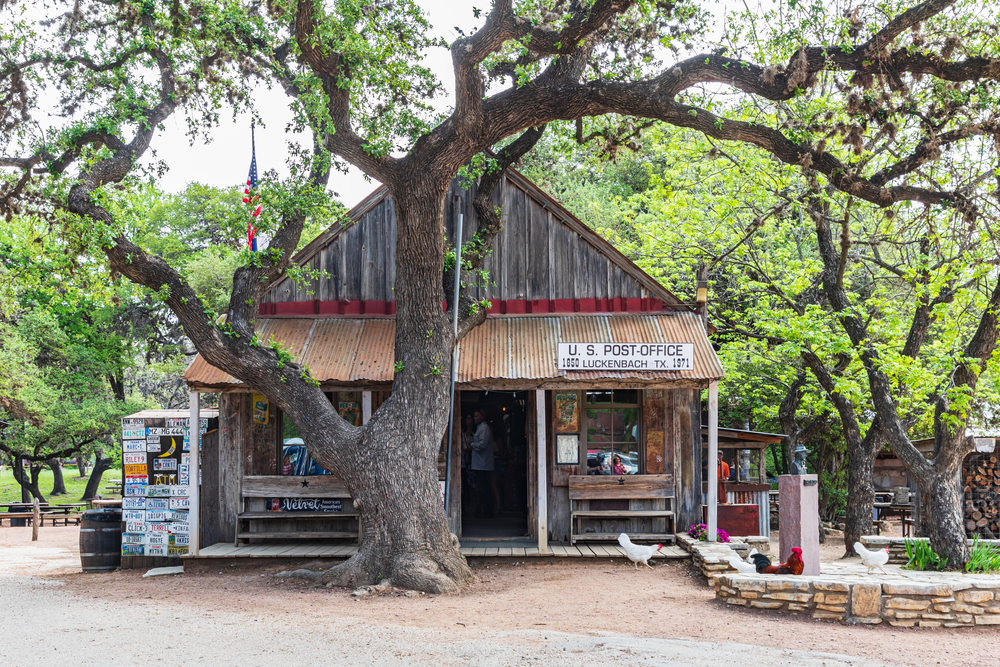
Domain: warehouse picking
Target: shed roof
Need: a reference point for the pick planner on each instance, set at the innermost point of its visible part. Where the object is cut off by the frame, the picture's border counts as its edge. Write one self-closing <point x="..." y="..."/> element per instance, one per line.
<point x="341" y="350"/>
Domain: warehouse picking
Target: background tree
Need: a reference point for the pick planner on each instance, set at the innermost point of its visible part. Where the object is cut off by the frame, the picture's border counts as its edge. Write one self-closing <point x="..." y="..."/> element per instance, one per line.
<point x="354" y="72"/>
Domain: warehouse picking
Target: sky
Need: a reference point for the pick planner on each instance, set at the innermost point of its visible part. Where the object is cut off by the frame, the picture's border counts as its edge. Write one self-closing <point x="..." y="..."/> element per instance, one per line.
<point x="226" y="160"/>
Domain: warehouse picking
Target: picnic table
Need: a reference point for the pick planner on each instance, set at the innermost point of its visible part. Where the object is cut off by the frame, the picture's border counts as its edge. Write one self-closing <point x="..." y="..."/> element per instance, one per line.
<point x="106" y="502"/>
<point x="885" y="511"/>
<point x="65" y="512"/>
<point x="113" y="486"/>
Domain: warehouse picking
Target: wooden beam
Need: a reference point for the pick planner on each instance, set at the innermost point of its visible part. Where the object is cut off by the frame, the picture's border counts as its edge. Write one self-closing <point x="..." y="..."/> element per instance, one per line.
<point x="194" y="476"/>
<point x="713" y="466"/>
<point x="294" y="486"/>
<point x="542" y="509"/>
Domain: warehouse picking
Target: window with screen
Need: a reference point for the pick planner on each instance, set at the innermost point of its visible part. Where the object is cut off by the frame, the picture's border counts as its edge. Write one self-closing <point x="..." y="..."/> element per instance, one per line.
<point x="613" y="432"/>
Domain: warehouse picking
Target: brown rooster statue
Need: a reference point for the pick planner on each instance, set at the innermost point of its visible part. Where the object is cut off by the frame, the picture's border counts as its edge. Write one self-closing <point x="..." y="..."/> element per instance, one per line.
<point x="795" y="565"/>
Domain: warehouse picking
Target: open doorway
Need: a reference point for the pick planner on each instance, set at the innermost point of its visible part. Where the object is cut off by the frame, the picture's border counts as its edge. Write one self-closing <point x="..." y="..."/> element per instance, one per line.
<point x="504" y="489"/>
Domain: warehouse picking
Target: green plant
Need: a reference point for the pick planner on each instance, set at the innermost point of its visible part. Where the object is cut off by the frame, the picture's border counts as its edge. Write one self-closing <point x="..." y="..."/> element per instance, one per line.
<point x="922" y="557"/>
<point x="983" y="558"/>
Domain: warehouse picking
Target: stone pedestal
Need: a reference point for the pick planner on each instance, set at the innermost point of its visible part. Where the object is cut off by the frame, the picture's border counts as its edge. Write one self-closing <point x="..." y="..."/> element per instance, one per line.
<point x="798" y="519"/>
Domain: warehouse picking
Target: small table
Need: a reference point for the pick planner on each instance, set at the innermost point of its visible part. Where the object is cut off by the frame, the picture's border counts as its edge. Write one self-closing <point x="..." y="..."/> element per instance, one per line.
<point x="886" y="511"/>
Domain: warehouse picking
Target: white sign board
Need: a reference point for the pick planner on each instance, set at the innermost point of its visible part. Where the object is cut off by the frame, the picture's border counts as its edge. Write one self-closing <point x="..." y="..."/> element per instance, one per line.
<point x="985" y="445"/>
<point x="626" y="357"/>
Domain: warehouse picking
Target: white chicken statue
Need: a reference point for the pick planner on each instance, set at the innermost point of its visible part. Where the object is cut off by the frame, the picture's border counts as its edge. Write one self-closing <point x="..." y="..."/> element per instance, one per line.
<point x="638" y="553"/>
<point x="872" y="559"/>
<point x="741" y="565"/>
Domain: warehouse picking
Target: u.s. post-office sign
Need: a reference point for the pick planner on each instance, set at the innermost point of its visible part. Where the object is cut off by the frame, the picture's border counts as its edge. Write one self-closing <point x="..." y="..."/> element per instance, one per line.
<point x="626" y="357"/>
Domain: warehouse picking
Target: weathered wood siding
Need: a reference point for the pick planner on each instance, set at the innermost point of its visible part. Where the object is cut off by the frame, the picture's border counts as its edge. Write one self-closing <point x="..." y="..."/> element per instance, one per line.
<point x="537" y="255"/>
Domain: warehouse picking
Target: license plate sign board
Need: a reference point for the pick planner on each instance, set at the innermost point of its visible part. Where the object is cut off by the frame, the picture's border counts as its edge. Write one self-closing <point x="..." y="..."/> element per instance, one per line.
<point x="133" y="446"/>
<point x="153" y="447"/>
<point x="135" y="490"/>
<point x="132" y="549"/>
<point x="156" y="549"/>
<point x="133" y="515"/>
<point x="132" y="421"/>
<point x="133" y="538"/>
<point x="159" y="491"/>
<point x="157" y="504"/>
<point x="165" y="431"/>
<point x="133" y="458"/>
<point x="159" y="527"/>
<point x="180" y="503"/>
<point x="164" y="464"/>
<point x="177" y="527"/>
<point x="136" y="527"/>
<point x="133" y="503"/>
<point x="155" y="515"/>
<point x="159" y="539"/>
<point x="136" y="469"/>
<point x="133" y="433"/>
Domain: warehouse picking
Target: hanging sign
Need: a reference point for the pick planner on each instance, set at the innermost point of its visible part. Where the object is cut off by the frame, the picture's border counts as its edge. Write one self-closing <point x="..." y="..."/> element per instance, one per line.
<point x="261" y="413"/>
<point x="626" y="356"/>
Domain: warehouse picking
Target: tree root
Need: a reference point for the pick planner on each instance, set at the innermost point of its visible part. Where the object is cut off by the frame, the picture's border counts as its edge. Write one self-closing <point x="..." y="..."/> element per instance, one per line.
<point x="418" y="572"/>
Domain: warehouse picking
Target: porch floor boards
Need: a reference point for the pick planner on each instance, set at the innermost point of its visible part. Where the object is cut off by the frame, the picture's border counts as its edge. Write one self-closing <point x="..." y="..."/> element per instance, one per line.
<point x="313" y="550"/>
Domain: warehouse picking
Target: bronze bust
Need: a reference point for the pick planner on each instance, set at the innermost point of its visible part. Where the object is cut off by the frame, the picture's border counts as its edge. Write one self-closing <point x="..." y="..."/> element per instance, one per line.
<point x="799" y="463"/>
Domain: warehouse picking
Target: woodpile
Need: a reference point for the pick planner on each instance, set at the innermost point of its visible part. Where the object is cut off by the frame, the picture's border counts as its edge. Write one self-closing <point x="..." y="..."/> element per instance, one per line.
<point x="982" y="496"/>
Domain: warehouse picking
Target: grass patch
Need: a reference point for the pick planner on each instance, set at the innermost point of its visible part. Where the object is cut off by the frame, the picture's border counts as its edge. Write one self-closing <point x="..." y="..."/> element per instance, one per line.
<point x="10" y="490"/>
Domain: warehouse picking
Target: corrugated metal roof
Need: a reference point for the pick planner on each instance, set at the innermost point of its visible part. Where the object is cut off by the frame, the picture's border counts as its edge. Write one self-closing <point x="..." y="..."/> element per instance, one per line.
<point x="511" y="348"/>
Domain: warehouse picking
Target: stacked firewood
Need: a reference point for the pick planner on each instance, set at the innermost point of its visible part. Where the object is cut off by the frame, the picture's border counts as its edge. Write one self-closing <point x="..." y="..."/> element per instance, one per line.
<point x="982" y="496"/>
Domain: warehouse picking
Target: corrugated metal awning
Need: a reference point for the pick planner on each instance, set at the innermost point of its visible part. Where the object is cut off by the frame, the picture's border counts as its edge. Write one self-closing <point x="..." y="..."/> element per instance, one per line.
<point x="341" y="350"/>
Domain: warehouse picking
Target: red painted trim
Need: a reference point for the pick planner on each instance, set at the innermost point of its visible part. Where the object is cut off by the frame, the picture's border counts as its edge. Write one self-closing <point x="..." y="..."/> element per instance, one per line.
<point x="497" y="307"/>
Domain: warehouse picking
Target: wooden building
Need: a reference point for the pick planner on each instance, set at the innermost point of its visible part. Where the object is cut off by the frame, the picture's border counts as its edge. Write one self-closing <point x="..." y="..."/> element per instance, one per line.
<point x="552" y="281"/>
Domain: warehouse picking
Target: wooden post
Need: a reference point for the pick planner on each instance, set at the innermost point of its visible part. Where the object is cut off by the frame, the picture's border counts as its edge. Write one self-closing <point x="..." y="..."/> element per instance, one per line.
<point x="36" y="518"/>
<point x="713" y="463"/>
<point x="194" y="474"/>
<point x="542" y="513"/>
<point x="366" y="406"/>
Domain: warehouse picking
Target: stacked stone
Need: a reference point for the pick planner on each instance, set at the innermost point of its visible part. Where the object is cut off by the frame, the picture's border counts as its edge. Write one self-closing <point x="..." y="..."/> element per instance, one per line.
<point x="952" y="603"/>
<point x="712" y="558"/>
<point x="897" y="545"/>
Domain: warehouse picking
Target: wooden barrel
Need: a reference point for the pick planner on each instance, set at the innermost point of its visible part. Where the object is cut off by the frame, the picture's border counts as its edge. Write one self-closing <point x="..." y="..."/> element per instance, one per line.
<point x="101" y="539"/>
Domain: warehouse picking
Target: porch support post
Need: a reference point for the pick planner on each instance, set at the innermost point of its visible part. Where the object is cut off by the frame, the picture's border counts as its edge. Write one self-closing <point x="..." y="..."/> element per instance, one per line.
<point x="194" y="474"/>
<point x="366" y="406"/>
<point x="713" y="463"/>
<point x="541" y="458"/>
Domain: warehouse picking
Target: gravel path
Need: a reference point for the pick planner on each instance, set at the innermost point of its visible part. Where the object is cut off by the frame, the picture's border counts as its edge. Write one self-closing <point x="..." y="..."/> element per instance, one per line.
<point x="565" y="614"/>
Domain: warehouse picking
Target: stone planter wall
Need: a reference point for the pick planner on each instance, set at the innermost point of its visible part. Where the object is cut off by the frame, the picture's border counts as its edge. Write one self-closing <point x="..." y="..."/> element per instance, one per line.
<point x="897" y="545"/>
<point x="712" y="557"/>
<point x="951" y="603"/>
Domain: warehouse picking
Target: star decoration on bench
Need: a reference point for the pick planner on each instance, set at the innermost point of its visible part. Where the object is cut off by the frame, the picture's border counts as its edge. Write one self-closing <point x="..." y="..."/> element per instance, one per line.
<point x="305" y="482"/>
<point x="621" y="481"/>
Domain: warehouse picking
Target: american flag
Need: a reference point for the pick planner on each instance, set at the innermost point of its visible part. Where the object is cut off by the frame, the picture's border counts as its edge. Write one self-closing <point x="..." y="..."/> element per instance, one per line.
<point x="250" y="197"/>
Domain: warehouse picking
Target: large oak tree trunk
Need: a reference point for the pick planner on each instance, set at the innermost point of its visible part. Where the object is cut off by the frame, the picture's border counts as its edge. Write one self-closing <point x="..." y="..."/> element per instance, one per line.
<point x="94" y="483"/>
<point x="81" y="466"/>
<point x="945" y="524"/>
<point x="860" y="492"/>
<point x="391" y="469"/>
<point x="58" y="483"/>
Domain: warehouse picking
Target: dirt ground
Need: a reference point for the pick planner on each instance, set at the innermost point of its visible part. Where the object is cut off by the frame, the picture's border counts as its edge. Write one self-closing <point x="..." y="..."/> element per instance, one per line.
<point x="596" y="597"/>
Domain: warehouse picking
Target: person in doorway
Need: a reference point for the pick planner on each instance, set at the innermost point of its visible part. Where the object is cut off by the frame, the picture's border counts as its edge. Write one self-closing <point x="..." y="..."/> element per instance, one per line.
<point x="617" y="468"/>
<point x="723" y="468"/>
<point x="471" y="501"/>
<point x="483" y="451"/>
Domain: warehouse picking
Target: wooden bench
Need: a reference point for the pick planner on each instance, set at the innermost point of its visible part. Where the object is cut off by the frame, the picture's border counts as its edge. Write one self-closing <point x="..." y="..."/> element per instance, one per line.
<point x="643" y="499"/>
<point x="24" y="515"/>
<point x="257" y="488"/>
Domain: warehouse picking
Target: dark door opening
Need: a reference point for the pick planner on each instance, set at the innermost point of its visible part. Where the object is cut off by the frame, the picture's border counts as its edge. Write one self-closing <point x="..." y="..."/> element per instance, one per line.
<point x="505" y="414"/>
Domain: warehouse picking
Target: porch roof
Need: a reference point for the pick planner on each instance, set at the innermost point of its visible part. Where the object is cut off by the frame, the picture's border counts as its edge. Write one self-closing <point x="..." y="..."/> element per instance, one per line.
<point x="341" y="350"/>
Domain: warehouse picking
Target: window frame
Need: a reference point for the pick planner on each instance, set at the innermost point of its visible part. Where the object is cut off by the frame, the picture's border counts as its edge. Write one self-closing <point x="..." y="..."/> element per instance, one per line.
<point x="585" y="433"/>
